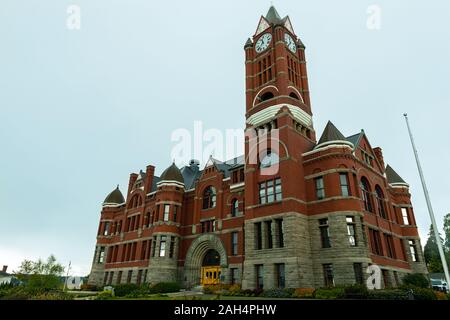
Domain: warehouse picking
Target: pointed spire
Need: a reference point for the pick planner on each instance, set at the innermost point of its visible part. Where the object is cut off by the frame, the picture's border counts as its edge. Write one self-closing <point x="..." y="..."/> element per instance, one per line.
<point x="272" y="15"/>
<point x="248" y="44"/>
<point x="392" y="176"/>
<point x="331" y="133"/>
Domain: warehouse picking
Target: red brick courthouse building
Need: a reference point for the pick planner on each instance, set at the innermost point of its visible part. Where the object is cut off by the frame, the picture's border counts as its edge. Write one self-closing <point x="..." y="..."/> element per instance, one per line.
<point x="332" y="208"/>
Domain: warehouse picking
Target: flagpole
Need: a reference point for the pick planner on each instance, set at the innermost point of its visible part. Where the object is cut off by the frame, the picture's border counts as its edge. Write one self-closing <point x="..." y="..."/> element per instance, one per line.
<point x="430" y="208"/>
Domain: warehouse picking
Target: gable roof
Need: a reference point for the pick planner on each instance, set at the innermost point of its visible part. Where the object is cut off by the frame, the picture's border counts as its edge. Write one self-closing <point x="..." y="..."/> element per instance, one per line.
<point x="354" y="139"/>
<point x="392" y="176"/>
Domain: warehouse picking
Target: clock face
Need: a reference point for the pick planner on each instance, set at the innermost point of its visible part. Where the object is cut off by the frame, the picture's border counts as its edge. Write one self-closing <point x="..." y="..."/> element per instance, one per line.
<point x="263" y="42"/>
<point x="290" y="43"/>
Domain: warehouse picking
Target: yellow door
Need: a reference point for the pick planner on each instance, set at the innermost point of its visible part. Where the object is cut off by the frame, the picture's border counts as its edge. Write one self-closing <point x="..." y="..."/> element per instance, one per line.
<point x="210" y="275"/>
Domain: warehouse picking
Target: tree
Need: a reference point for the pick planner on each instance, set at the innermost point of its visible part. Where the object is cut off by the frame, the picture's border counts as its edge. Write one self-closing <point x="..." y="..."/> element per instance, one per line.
<point x="431" y="253"/>
<point x="40" y="275"/>
<point x="447" y="233"/>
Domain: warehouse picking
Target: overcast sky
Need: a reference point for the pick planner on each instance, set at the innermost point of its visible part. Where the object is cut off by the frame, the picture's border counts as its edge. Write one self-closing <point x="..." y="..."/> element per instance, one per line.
<point x="81" y="109"/>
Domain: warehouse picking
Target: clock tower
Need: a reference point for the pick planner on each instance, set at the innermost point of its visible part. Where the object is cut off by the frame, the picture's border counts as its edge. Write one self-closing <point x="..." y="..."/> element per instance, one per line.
<point x="279" y="130"/>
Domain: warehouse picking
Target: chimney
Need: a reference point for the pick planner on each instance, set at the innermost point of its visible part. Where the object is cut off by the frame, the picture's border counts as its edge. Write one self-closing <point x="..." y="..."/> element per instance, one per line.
<point x="150" y="172"/>
<point x="4" y="269"/>
<point x="379" y="154"/>
<point x="133" y="178"/>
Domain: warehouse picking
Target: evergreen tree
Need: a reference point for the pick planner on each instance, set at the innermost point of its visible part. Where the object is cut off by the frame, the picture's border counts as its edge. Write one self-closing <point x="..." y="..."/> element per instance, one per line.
<point x="431" y="253"/>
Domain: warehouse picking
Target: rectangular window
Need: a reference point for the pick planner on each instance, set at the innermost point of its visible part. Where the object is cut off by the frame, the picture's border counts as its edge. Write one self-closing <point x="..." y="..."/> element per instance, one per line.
<point x="130" y="275"/>
<point x="139" y="278"/>
<point x="175" y="213"/>
<point x="279" y="230"/>
<point x="105" y="278"/>
<point x="375" y="242"/>
<point x="260" y="276"/>
<point x="278" y="191"/>
<point x="328" y="276"/>
<point x="143" y="249"/>
<point x="101" y="255"/>
<point x="111" y="276"/>
<point x="234" y="243"/>
<point x="119" y="277"/>
<point x="262" y="193"/>
<point x="233" y="275"/>
<point x="405" y="216"/>
<point x="324" y="233"/>
<point x="106" y="228"/>
<point x="280" y="272"/>
<point x="351" y="231"/>
<point x="145" y="275"/>
<point x="162" y="246"/>
<point x="172" y="247"/>
<point x="390" y="246"/>
<point x="320" y="188"/>
<point x="166" y="212"/>
<point x="358" y="270"/>
<point x="154" y="246"/>
<point x="269" y="234"/>
<point x="413" y="251"/>
<point x="345" y="188"/>
<point x="270" y="191"/>
<point x="258" y="235"/>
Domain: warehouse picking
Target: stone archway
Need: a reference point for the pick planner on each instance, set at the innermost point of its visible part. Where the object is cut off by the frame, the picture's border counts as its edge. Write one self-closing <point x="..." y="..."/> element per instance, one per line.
<point x="196" y="253"/>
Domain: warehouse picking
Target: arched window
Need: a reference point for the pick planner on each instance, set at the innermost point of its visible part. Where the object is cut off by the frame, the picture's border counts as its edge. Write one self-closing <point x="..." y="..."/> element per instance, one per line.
<point x="266" y="96"/>
<point x="234" y="207"/>
<point x="380" y="202"/>
<point x="269" y="159"/>
<point x="367" y="197"/>
<point x="209" y="197"/>
<point x="293" y="95"/>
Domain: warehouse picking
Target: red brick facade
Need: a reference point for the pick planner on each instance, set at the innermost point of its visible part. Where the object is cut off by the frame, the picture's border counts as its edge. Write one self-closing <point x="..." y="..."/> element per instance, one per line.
<point x="331" y="209"/>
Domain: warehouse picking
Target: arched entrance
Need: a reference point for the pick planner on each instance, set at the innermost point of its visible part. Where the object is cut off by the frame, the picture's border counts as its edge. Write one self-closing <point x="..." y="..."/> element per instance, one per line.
<point x="210" y="268"/>
<point x="206" y="251"/>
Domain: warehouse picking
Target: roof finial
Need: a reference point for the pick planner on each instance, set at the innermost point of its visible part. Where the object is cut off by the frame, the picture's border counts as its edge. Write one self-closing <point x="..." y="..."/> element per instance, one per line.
<point x="117" y="187"/>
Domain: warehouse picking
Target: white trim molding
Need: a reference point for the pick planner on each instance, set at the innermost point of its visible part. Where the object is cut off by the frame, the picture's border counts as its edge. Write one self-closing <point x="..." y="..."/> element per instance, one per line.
<point x="268" y="113"/>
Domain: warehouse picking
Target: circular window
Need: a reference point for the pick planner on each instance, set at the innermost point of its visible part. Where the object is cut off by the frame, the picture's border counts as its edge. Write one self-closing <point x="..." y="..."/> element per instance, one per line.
<point x="269" y="159"/>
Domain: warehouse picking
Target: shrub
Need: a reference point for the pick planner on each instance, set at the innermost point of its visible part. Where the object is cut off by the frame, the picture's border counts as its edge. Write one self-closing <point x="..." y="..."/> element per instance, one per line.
<point x="234" y="288"/>
<point x="388" y="294"/>
<point x="89" y="287"/>
<point x="424" y="294"/>
<point x="104" y="295"/>
<point x="52" y="296"/>
<point x="278" y="293"/>
<point x="440" y="295"/>
<point x="356" y="291"/>
<point x="303" y="293"/>
<point x="165" y="287"/>
<point x="210" y="289"/>
<point x="329" y="293"/>
<point x="416" y="280"/>
<point x="121" y="290"/>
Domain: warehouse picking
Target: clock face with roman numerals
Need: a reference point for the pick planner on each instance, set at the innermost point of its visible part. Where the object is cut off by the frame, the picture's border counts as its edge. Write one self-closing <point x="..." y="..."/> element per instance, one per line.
<point x="263" y="42"/>
<point x="290" y="43"/>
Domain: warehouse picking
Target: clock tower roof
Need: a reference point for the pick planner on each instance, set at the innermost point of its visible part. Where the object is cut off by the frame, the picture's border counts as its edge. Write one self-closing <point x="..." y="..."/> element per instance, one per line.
<point x="272" y="16"/>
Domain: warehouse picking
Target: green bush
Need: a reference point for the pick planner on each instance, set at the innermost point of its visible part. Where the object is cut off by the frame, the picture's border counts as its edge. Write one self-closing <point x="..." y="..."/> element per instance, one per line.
<point x="121" y="290"/>
<point x="416" y="280"/>
<point x="329" y="293"/>
<point x="278" y="293"/>
<point x="105" y="295"/>
<point x="165" y="287"/>
<point x="388" y="294"/>
<point x="424" y="294"/>
<point x="356" y="291"/>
